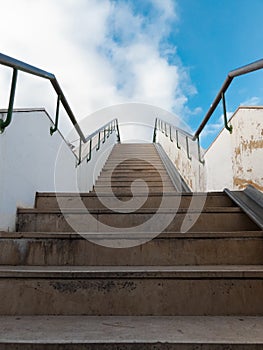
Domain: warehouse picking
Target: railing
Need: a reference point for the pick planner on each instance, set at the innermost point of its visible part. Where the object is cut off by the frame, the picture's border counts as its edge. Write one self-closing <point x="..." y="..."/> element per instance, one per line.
<point x="100" y="136"/>
<point x="17" y="65"/>
<point x="219" y="97"/>
<point x="173" y="133"/>
<point x="221" y="94"/>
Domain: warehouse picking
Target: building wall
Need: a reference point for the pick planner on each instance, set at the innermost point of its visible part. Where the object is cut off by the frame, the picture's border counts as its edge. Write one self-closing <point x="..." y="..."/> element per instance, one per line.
<point x="31" y="160"/>
<point x="232" y="161"/>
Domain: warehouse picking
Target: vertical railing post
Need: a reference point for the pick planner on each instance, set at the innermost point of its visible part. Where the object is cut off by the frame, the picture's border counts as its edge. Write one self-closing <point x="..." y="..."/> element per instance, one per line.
<point x="177" y="139"/>
<point x="171" y="138"/>
<point x="154" y="131"/>
<point x="90" y="149"/>
<point x="98" y="145"/>
<point x="187" y="148"/>
<point x="199" y="151"/>
<point x="118" y="131"/>
<point x="165" y="129"/>
<point x="104" y="135"/>
<point x="55" y="128"/>
<point x="230" y="127"/>
<point x="80" y="150"/>
<point x="4" y="124"/>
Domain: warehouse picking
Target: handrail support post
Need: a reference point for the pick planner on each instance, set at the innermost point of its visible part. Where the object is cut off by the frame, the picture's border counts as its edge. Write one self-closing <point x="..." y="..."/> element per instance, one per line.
<point x="80" y="150"/>
<point x="187" y="148"/>
<point x="118" y="131"/>
<point x="55" y="128"/>
<point x="154" y="132"/>
<point x="4" y="124"/>
<point x="228" y="127"/>
<point x="202" y="161"/>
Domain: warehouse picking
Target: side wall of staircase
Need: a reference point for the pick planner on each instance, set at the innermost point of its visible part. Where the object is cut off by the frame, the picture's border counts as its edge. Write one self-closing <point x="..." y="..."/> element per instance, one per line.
<point x="232" y="161"/>
<point x="29" y="159"/>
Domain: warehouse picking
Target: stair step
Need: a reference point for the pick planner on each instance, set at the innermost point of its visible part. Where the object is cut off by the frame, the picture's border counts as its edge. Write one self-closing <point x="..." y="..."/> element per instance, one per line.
<point x="132" y="291"/>
<point x="172" y="200"/>
<point x="133" y="177"/>
<point x="211" y="219"/>
<point x="138" y="183"/>
<point x="135" y="188"/>
<point x="203" y="248"/>
<point x="131" y="333"/>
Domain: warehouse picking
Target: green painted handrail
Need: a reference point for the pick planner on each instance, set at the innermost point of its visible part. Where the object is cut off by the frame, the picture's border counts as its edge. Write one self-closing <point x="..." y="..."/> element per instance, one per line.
<point x="61" y="99"/>
<point x="5" y="123"/>
<point x="221" y="94"/>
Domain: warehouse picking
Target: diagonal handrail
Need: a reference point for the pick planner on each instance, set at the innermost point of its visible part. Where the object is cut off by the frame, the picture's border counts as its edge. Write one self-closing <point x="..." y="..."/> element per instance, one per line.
<point x="162" y="125"/>
<point x="24" y="67"/>
<point x="220" y="96"/>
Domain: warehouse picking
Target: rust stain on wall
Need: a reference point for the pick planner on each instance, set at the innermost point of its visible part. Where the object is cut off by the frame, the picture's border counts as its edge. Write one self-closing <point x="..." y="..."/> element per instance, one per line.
<point x="243" y="183"/>
<point x="237" y="151"/>
<point x="252" y="144"/>
<point x="248" y="146"/>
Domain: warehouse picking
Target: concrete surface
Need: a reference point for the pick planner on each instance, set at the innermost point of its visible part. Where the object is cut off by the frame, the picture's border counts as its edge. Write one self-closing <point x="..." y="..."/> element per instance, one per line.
<point x="121" y="330"/>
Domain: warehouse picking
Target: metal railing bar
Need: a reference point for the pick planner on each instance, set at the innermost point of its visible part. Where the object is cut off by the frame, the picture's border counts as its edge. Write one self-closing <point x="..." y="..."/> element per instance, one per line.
<point x="231" y="75"/>
<point x="67" y="108"/>
<point x="55" y="128"/>
<point x="7" y="121"/>
<point x="99" y="130"/>
<point x="24" y="67"/>
<point x="229" y="128"/>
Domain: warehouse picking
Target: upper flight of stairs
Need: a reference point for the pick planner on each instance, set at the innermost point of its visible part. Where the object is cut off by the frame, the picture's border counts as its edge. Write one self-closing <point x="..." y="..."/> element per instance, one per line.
<point x="191" y="290"/>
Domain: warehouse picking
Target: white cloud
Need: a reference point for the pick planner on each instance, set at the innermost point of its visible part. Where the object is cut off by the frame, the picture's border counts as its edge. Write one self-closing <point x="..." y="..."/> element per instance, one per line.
<point x="253" y="101"/>
<point x="102" y="53"/>
<point x="212" y="129"/>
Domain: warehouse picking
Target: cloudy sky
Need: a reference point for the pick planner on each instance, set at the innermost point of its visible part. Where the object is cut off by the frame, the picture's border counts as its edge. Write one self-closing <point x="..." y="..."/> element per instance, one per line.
<point x="173" y="54"/>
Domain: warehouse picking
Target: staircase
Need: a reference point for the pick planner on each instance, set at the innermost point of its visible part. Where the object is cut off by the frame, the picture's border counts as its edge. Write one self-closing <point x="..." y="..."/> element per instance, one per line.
<point x="202" y="289"/>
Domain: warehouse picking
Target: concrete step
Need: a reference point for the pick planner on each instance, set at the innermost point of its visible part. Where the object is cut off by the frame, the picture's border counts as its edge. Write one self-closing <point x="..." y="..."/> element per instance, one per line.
<point x="210" y="220"/>
<point x="166" y="184"/>
<point x="134" y="168"/>
<point x="139" y="187"/>
<point x="132" y="161"/>
<point x="47" y="200"/>
<point x="131" y="333"/>
<point x="132" y="173"/>
<point x="203" y="248"/>
<point x="132" y="291"/>
<point x="102" y="220"/>
<point x="132" y="177"/>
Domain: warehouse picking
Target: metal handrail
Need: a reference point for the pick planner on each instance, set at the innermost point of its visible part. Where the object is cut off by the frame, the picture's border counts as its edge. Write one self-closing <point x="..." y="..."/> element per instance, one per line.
<point x="163" y="126"/>
<point x="108" y="128"/>
<point x="220" y="96"/>
<point x="24" y="67"/>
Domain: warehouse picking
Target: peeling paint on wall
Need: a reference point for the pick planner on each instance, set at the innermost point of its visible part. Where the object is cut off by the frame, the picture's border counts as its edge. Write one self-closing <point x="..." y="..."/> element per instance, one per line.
<point x="233" y="160"/>
<point x="243" y="183"/>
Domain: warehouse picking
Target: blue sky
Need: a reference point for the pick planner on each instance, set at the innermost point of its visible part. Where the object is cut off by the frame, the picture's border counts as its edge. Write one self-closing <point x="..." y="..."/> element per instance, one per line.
<point x="215" y="37"/>
<point x="174" y="54"/>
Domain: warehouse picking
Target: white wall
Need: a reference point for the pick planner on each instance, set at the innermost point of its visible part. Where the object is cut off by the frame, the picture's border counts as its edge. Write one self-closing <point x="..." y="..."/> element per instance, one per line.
<point x="192" y="170"/>
<point x="235" y="160"/>
<point x="232" y="161"/>
<point x="33" y="161"/>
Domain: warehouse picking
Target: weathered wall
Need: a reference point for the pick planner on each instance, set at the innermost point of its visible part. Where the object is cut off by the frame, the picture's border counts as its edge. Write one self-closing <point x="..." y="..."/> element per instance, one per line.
<point x="235" y="160"/>
<point x="31" y="160"/>
<point x="192" y="170"/>
<point x="232" y="161"/>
